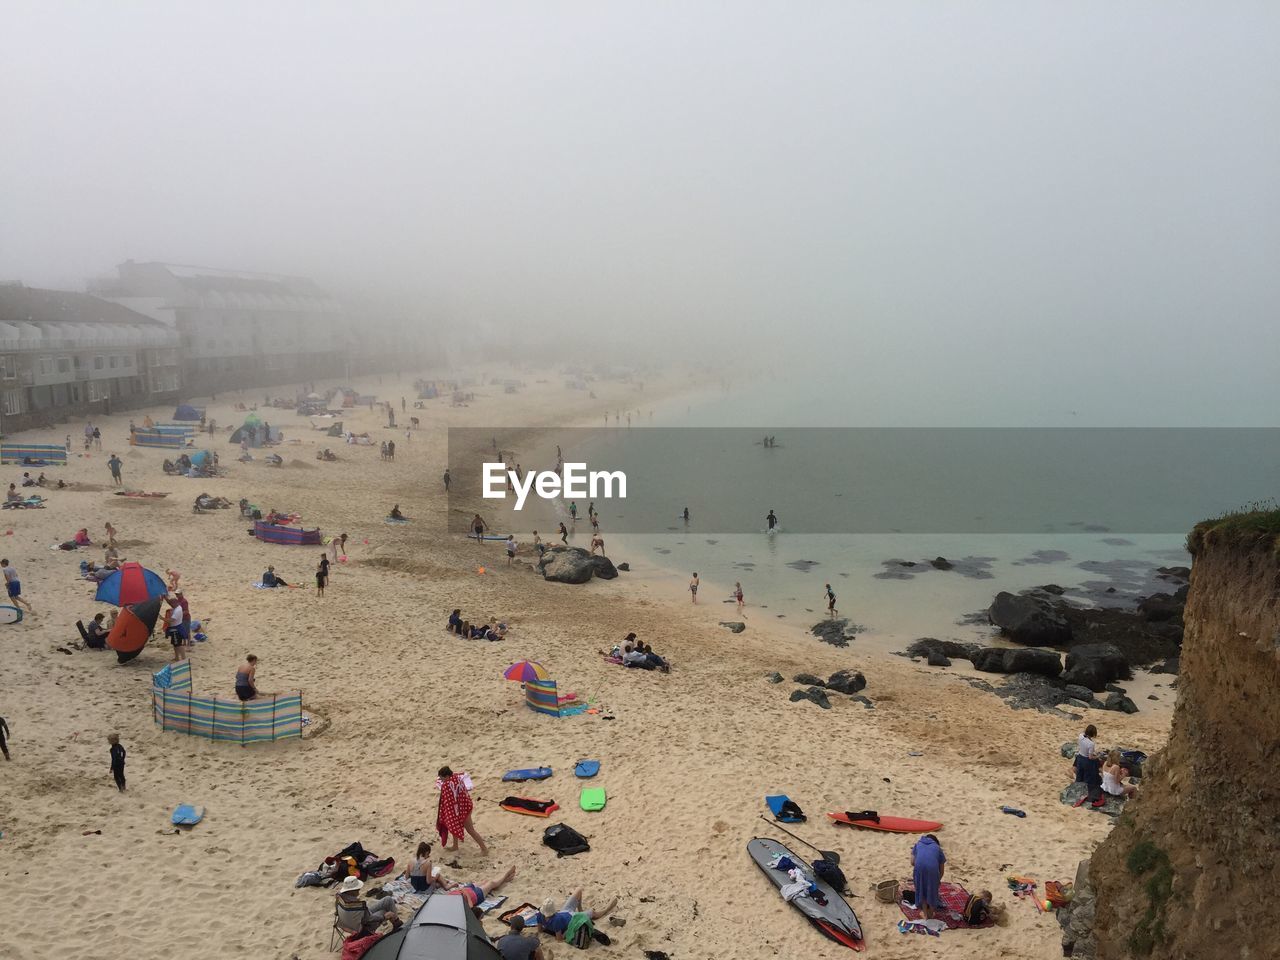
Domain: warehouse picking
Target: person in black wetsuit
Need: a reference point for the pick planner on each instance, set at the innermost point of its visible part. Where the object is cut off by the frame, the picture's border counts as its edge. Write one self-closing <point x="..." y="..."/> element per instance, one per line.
<point x="771" y="519"/>
<point x="117" y="760"/>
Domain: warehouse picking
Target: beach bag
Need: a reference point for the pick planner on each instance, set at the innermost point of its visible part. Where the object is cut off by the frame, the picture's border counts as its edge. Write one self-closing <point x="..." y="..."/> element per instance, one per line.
<point x="565" y="840"/>
<point x="863" y="815"/>
<point x="580" y="931"/>
<point x="830" y="874"/>
<point x="791" y="809"/>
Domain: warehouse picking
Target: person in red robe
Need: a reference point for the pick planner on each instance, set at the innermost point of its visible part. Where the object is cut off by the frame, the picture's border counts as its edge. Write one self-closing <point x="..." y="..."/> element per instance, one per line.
<point x="453" y="815"/>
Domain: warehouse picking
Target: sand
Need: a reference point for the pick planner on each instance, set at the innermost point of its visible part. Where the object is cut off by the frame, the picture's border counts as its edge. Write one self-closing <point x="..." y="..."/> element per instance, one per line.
<point x="686" y="758"/>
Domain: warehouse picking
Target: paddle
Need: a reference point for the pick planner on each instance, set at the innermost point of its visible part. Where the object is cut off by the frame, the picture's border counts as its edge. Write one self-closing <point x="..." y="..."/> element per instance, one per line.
<point x="826" y="854"/>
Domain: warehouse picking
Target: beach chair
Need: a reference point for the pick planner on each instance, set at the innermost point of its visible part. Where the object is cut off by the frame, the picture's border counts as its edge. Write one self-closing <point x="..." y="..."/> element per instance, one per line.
<point x="346" y="923"/>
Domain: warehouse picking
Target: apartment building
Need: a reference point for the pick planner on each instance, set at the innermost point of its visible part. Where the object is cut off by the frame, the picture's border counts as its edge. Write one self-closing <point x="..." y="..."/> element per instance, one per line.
<point x="65" y="354"/>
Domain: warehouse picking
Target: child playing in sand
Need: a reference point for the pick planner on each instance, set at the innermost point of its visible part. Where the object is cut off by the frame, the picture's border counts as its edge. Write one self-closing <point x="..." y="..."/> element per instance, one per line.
<point x="117" y="760"/>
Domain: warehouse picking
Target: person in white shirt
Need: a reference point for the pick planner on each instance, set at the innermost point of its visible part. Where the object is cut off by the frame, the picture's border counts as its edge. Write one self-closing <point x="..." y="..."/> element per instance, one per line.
<point x="1086" y="745"/>
<point x="511" y="549"/>
<point x="175" y="630"/>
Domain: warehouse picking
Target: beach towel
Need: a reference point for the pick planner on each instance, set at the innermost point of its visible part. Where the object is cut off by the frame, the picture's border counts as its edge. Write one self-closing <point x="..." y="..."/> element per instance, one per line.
<point x="453" y="809"/>
<point x="532" y="773"/>
<point x="592" y="799"/>
<point x="394" y="520"/>
<point x="953" y="897"/>
<point x="186" y="815"/>
<point x="784" y="809"/>
<point x="526" y="912"/>
<point x="490" y="902"/>
<point x="529" y="807"/>
<point x="585" y="769"/>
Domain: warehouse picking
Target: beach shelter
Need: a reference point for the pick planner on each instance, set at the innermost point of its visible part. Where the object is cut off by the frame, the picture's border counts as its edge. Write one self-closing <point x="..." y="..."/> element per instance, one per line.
<point x="200" y="458"/>
<point x="132" y="583"/>
<point x="444" y="928"/>
<point x="186" y="411"/>
<point x="133" y="628"/>
<point x="541" y="696"/>
<point x="526" y="670"/>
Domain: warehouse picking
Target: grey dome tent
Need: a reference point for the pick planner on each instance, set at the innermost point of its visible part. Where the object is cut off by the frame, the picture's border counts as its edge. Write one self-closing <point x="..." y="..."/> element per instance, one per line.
<point x="444" y="928"/>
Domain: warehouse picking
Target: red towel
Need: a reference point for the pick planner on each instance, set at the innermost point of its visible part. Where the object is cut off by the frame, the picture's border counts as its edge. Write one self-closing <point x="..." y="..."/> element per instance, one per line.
<point x="953" y="897"/>
<point x="454" y="808"/>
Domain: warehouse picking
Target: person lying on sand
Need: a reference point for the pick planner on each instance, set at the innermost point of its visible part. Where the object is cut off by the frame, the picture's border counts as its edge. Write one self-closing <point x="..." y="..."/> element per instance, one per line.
<point x="563" y="923"/>
<point x="476" y="893"/>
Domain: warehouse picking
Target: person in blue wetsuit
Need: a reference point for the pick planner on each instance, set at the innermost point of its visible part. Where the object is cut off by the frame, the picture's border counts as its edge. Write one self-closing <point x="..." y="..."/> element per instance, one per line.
<point x="928" y="863"/>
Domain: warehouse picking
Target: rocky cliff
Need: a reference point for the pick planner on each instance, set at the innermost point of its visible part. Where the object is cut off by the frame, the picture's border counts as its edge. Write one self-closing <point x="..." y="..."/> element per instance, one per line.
<point x="1191" y="869"/>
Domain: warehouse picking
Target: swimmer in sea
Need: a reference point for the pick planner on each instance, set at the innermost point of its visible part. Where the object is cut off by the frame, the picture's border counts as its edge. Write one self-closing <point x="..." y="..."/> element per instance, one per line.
<point x="686" y="514"/>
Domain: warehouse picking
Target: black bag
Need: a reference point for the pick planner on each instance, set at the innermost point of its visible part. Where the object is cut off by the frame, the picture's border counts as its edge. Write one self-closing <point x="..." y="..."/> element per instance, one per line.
<point x="565" y="840"/>
<point x="791" y="810"/>
<point x="830" y="874"/>
<point x="863" y="815"/>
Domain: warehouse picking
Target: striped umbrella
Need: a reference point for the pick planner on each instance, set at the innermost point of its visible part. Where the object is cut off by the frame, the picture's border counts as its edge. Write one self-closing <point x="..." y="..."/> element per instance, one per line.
<point x="526" y="670"/>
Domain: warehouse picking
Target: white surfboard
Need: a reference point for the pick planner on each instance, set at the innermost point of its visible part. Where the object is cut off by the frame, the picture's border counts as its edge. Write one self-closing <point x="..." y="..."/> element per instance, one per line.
<point x="10" y="614"/>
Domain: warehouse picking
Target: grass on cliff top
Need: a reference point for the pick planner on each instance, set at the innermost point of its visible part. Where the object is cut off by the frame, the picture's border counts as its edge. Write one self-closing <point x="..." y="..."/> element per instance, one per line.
<point x="1255" y="524"/>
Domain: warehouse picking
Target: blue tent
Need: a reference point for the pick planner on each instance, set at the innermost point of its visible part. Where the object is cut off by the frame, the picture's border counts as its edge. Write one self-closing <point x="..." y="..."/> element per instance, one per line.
<point x="199" y="458"/>
<point x="187" y="412"/>
<point x="132" y="583"/>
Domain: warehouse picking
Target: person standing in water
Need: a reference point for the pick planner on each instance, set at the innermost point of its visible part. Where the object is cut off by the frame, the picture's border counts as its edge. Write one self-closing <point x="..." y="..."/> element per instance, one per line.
<point x="831" y="602"/>
<point x="686" y="515"/>
<point x="737" y="594"/>
<point x="693" y="587"/>
<point x="573" y="511"/>
<point x="771" y="520"/>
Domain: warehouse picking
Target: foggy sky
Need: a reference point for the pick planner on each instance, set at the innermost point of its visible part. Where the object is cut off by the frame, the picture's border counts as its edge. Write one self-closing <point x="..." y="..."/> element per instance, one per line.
<point x="1076" y="200"/>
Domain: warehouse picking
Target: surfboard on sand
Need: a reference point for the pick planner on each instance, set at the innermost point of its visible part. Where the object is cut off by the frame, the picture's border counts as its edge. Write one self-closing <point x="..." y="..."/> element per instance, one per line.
<point x="10" y="614"/>
<point x="887" y="824"/>
<point x="829" y="912"/>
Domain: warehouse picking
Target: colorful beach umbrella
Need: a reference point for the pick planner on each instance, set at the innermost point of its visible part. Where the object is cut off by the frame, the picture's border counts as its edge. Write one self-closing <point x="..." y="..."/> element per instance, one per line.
<point x="133" y="628"/>
<point x="131" y="584"/>
<point x="526" y="670"/>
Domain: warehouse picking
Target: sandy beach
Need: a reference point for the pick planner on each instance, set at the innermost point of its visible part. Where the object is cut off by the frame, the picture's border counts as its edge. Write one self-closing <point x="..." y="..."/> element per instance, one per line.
<point x="686" y="757"/>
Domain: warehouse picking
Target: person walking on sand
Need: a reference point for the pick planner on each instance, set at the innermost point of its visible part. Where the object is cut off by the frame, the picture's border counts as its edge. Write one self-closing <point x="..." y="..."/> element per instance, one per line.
<point x="117" y="760"/>
<point x="97" y="439"/>
<point x="693" y="587"/>
<point x="477" y="528"/>
<point x="595" y="523"/>
<point x="447" y="479"/>
<point x="453" y="813"/>
<point x="13" y="584"/>
<point x="597" y="542"/>
<point x="831" y="602"/>
<point x="115" y="463"/>
<point x="111" y="534"/>
<point x="322" y="573"/>
<point x="88" y="435"/>
<point x="573" y="511"/>
<point x="564" y="534"/>
<point x="737" y="594"/>
<point x="511" y="549"/>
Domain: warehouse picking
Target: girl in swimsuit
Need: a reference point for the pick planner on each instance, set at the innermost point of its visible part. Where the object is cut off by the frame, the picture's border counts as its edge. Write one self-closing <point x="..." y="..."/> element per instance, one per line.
<point x="246" y="678"/>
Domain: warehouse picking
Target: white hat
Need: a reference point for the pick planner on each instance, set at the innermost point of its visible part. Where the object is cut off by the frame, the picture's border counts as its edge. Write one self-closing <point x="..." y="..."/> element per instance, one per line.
<point x="350" y="885"/>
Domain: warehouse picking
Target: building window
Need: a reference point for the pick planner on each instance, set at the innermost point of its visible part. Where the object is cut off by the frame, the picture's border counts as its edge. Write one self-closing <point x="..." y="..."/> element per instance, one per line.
<point x="9" y="367"/>
<point x="12" y="402"/>
<point x="113" y="361"/>
<point x="128" y="359"/>
<point x="98" y="363"/>
<point x="79" y="362"/>
<point x="46" y="366"/>
<point x="64" y="364"/>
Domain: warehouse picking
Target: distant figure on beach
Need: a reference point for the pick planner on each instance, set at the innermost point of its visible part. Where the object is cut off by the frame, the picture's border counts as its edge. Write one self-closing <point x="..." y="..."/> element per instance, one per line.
<point x="686" y="514"/>
<point x="564" y="533"/>
<point x="1113" y="776"/>
<point x="595" y="523"/>
<point x="115" y="463"/>
<point x="737" y="594"/>
<point x="771" y="520"/>
<point x="269" y="579"/>
<point x="573" y="511"/>
<point x="831" y="602"/>
<point x="477" y="528"/>
<point x="511" y="549"/>
<point x="322" y="573"/>
<point x="111" y="533"/>
<point x="395" y="513"/>
<point x="13" y="584"/>
<point x="447" y="479"/>
<point x="591" y="509"/>
<point x="247" y="678"/>
<point x="117" y="760"/>
<point x="928" y="864"/>
<point x="391" y="449"/>
<point x="597" y="542"/>
<point x="538" y="544"/>
<point x="693" y="587"/>
<point x="453" y="814"/>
